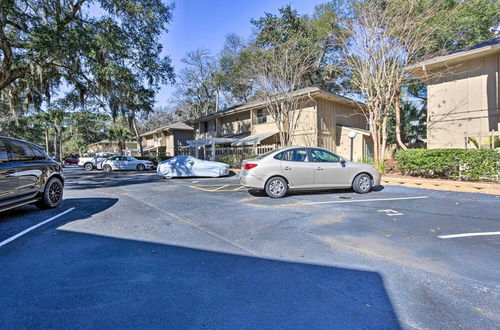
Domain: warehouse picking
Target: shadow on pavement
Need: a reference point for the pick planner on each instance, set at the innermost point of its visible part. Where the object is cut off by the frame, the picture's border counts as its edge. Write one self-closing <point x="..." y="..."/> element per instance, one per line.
<point x="19" y="219"/>
<point x="79" y="179"/>
<point x="90" y="281"/>
<point x="262" y="193"/>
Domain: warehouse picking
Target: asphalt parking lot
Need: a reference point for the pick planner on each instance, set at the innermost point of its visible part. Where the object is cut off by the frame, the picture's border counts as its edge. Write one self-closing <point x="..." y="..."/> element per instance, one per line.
<point x="131" y="250"/>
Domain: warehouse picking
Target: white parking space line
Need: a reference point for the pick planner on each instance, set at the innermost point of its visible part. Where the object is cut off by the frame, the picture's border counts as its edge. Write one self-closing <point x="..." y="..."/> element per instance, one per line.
<point x="8" y="240"/>
<point x="470" y="234"/>
<point x="362" y="200"/>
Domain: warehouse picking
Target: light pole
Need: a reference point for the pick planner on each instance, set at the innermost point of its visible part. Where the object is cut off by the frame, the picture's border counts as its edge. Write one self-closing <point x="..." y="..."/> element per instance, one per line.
<point x="351" y="136"/>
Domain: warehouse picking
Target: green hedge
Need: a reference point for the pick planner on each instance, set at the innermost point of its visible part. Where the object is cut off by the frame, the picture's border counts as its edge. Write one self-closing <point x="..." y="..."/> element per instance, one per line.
<point x="450" y="163"/>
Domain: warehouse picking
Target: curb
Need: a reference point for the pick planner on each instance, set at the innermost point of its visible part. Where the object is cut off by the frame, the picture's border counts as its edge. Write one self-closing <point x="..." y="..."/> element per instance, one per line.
<point x="446" y="185"/>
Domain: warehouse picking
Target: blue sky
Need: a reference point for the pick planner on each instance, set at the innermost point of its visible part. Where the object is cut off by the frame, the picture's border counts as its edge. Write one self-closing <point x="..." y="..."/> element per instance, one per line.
<point x="205" y="23"/>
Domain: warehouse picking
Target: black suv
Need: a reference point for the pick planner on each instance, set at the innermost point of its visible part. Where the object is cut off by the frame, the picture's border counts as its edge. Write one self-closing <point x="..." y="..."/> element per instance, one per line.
<point x="28" y="175"/>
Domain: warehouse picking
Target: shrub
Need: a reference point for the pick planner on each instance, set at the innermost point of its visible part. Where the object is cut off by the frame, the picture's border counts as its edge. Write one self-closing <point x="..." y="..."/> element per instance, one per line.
<point x="390" y="166"/>
<point x="235" y="161"/>
<point x="450" y="163"/>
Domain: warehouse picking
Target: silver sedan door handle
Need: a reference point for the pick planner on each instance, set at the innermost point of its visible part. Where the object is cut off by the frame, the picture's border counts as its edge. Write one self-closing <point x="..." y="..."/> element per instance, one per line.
<point x="319" y="168"/>
<point x="287" y="168"/>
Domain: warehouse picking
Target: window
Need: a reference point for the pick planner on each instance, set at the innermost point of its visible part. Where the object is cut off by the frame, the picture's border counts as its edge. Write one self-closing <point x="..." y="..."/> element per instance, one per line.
<point x="261" y="116"/>
<point x="39" y="154"/>
<point x="267" y="154"/>
<point x="4" y="155"/>
<point x="123" y="158"/>
<point x="293" y="155"/>
<point x="319" y="155"/>
<point x="21" y="151"/>
<point x="205" y="127"/>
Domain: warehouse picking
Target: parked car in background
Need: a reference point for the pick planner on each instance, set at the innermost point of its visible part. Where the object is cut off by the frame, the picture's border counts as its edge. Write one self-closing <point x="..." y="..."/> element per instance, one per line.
<point x="70" y="161"/>
<point x="90" y="161"/>
<point x="285" y="169"/>
<point x="28" y="175"/>
<point x="189" y="166"/>
<point x="125" y="163"/>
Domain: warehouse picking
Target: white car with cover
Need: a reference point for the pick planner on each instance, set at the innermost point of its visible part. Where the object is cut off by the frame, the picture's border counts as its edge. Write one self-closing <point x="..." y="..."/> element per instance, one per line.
<point x="186" y="166"/>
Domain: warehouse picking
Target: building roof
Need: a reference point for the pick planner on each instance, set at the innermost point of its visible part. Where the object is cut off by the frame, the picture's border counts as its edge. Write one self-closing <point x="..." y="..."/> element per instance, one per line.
<point x="170" y="127"/>
<point x="481" y="49"/>
<point x="258" y="103"/>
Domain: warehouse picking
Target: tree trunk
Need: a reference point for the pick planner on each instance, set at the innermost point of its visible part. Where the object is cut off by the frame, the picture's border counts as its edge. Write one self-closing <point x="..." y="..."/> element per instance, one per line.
<point x="397" y="110"/>
<point x="47" y="140"/>
<point x="384" y="139"/>
<point x="374" y="131"/>
<point x="122" y="146"/>
<point x="137" y="136"/>
<point x="60" y="147"/>
<point x="57" y="143"/>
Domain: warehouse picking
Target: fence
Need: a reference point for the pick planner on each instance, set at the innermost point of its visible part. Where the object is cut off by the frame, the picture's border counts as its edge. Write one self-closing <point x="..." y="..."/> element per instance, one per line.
<point x="231" y="155"/>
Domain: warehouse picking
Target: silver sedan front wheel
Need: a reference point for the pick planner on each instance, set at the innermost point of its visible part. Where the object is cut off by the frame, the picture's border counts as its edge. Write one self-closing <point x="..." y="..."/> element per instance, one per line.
<point x="276" y="187"/>
<point x="362" y="183"/>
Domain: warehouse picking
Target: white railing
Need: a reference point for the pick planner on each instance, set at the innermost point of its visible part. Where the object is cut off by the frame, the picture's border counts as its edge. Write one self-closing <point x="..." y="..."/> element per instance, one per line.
<point x="233" y="155"/>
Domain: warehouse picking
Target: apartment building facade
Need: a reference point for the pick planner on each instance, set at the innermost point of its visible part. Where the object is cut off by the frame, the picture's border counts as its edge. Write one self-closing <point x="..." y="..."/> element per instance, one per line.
<point x="325" y="121"/>
<point x="167" y="140"/>
<point x="462" y="96"/>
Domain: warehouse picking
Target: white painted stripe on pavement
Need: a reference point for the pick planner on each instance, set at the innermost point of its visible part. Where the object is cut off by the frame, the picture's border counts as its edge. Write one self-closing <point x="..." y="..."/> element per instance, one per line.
<point x="363" y="200"/>
<point x="8" y="240"/>
<point x="470" y="234"/>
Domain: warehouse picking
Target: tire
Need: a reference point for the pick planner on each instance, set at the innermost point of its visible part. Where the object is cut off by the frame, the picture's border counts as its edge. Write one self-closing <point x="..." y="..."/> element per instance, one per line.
<point x="52" y="195"/>
<point x="88" y="166"/>
<point x="276" y="187"/>
<point x="141" y="167"/>
<point x="362" y="183"/>
<point x="107" y="168"/>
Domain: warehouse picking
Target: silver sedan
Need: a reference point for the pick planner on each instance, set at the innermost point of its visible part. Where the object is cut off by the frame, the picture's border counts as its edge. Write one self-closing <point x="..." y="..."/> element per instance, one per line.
<point x="125" y="163"/>
<point x="306" y="168"/>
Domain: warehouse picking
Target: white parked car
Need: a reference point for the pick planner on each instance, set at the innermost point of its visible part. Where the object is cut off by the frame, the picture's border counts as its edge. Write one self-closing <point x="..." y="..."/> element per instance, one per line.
<point x="125" y="163"/>
<point x="190" y="166"/>
<point x="91" y="161"/>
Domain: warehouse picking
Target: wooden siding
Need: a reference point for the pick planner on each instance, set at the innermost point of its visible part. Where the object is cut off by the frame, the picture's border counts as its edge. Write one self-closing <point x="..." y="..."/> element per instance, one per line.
<point x="234" y="124"/>
<point x="331" y="114"/>
<point x="306" y="131"/>
<point x="464" y="103"/>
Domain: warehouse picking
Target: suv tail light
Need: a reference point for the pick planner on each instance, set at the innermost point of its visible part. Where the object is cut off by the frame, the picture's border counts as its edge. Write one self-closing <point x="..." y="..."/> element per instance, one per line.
<point x="250" y="166"/>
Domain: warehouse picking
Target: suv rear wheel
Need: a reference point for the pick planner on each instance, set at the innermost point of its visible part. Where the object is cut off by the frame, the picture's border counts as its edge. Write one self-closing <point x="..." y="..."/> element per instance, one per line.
<point x="52" y="194"/>
<point x="88" y="166"/>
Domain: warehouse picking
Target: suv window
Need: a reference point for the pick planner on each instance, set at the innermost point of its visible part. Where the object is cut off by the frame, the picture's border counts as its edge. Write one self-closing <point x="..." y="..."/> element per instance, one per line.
<point x="39" y="155"/>
<point x="293" y="155"/>
<point x="4" y="155"/>
<point x="21" y="151"/>
<point x="319" y="155"/>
